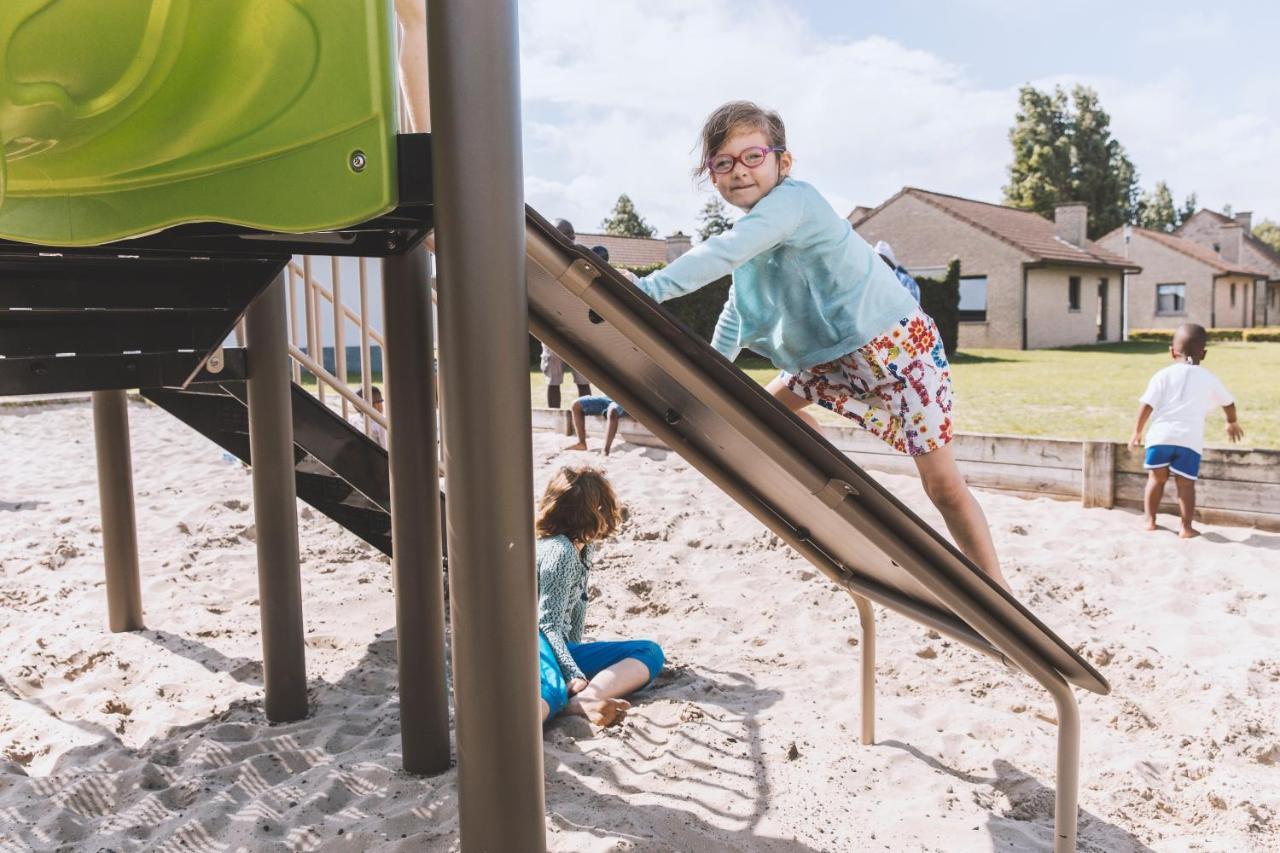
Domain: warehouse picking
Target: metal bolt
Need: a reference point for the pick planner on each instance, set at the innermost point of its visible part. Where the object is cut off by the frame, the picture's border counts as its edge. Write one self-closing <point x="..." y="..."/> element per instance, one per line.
<point x="672" y="417"/>
<point x="358" y="161"/>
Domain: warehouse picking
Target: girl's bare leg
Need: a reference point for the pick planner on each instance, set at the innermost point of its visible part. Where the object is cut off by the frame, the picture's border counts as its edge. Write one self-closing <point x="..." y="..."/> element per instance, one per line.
<point x="611" y="429"/>
<point x="1156" y="478"/>
<point x="622" y="679"/>
<point x="1186" y="506"/>
<point x="579" y="426"/>
<point x="413" y="63"/>
<point x="945" y="486"/>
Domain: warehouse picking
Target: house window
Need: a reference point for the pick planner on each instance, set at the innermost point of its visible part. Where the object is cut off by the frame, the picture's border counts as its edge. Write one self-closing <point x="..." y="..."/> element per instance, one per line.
<point x="1171" y="299"/>
<point x="973" y="299"/>
<point x="1233" y="294"/>
<point x="1073" y="293"/>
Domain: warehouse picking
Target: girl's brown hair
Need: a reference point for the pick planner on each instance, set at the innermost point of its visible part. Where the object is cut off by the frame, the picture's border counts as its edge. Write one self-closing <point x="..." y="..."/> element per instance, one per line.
<point x="735" y="116"/>
<point x="578" y="503"/>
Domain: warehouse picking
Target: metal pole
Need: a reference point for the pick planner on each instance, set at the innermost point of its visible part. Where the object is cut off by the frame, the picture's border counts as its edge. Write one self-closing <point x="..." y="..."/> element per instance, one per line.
<point x="115" y="495"/>
<point x="366" y="362"/>
<point x="294" y="336"/>
<point x="867" y="620"/>
<point x="416" y="569"/>
<point x="473" y="52"/>
<point x="275" y="506"/>
<point x="339" y="339"/>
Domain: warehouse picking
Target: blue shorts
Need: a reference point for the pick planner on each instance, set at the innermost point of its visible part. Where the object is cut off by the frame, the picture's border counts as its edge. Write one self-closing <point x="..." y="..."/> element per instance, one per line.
<point x="1182" y="461"/>
<point x="599" y="405"/>
<point x="591" y="658"/>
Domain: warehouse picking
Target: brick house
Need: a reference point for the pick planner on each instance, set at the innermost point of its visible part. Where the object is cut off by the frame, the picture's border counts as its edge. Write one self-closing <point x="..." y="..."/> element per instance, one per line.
<point x="1027" y="282"/>
<point x="1215" y="230"/>
<point x="1182" y="281"/>
<point x="636" y="252"/>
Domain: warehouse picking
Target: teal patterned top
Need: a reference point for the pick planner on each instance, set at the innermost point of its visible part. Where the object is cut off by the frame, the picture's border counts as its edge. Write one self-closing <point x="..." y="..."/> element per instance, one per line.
<point x="562" y="597"/>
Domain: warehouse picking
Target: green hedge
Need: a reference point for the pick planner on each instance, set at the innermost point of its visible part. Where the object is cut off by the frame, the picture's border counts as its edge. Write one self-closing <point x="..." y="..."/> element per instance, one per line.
<point x="940" y="299"/>
<point x="1269" y="334"/>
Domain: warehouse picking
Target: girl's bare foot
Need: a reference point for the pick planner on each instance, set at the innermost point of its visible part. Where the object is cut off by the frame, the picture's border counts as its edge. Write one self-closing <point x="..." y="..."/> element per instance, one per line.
<point x="1188" y="533"/>
<point x="1151" y="524"/>
<point x="601" y="712"/>
<point x="581" y="445"/>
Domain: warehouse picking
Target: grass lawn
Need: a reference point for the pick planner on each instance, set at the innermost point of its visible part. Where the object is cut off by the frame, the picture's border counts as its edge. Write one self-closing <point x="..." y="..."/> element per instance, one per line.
<point x="1082" y="392"/>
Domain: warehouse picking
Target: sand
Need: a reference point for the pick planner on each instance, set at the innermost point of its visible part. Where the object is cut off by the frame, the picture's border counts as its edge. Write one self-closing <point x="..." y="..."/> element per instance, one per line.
<point x="156" y="740"/>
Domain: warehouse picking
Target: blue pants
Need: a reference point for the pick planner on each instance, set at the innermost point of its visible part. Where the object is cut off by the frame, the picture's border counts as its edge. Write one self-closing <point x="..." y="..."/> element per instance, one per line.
<point x="591" y="658"/>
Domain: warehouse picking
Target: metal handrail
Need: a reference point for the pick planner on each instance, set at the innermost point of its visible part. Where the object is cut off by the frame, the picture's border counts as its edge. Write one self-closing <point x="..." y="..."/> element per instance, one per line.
<point x="329" y="379"/>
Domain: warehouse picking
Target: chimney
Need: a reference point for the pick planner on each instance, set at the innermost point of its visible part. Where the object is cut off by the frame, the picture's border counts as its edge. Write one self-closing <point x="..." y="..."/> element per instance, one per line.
<point x="1071" y="222"/>
<point x="858" y="214"/>
<point x="1229" y="239"/>
<point x="1245" y="220"/>
<point x="677" y="244"/>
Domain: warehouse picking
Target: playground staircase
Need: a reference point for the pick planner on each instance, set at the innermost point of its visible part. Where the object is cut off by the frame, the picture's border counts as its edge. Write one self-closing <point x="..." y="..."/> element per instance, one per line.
<point x="338" y="470"/>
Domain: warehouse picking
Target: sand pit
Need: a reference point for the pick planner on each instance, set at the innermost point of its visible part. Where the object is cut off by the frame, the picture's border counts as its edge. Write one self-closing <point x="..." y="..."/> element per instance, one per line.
<point x="156" y="740"/>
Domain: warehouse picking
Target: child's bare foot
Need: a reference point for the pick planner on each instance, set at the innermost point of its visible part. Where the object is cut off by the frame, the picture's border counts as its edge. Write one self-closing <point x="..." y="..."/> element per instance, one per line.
<point x="1151" y="525"/>
<point x="581" y="445"/>
<point x="601" y="712"/>
<point x="1188" y="533"/>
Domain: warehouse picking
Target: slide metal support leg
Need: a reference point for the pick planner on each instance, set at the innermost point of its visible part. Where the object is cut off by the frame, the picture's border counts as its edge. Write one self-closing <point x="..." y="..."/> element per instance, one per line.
<point x="473" y="57"/>
<point x="867" y="621"/>
<point x="115" y="496"/>
<point x="1067" y="803"/>
<point x="417" y="573"/>
<point x="275" y="506"/>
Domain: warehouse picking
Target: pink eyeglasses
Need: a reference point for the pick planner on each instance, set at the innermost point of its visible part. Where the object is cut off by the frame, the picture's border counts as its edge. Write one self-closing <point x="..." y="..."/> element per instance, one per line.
<point x="722" y="164"/>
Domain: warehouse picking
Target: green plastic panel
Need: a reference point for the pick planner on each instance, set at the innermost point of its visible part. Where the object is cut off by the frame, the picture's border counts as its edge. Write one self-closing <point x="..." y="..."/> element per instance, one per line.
<point x="124" y="117"/>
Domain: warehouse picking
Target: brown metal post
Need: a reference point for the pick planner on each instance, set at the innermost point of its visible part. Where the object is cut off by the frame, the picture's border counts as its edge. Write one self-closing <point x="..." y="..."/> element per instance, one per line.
<point x="473" y="55"/>
<point x="115" y="495"/>
<point x="275" y="506"/>
<point x="416" y="569"/>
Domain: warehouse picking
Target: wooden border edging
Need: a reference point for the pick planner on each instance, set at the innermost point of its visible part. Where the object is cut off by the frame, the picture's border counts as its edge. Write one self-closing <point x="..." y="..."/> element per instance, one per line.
<point x="1236" y="487"/>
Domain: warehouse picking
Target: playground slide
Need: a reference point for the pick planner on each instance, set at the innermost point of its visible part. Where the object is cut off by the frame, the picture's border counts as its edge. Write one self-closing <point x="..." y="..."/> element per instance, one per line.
<point x="790" y="478"/>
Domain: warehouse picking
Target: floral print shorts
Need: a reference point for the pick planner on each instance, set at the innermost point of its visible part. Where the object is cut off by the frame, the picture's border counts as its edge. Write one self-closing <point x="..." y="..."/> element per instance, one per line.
<point x="897" y="386"/>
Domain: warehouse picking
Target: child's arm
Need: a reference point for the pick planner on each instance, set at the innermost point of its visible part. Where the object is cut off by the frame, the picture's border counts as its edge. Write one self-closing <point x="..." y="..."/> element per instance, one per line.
<point x="725" y="338"/>
<point x="774" y="218"/>
<point x="1234" y="431"/>
<point x="1143" y="414"/>
<point x="554" y="589"/>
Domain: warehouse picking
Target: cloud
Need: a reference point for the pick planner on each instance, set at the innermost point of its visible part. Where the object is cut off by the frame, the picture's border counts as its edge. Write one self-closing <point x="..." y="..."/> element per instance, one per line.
<point x="614" y="95"/>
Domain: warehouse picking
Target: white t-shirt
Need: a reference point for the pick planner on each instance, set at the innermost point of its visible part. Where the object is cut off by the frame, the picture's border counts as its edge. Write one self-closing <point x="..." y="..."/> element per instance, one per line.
<point x="376" y="432"/>
<point x="1180" y="397"/>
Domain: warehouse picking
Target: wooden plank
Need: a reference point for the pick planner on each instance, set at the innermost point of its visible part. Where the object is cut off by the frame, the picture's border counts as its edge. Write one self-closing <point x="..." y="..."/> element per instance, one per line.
<point x="555" y="420"/>
<point x="1262" y="521"/>
<point x="1098" y="486"/>
<point x="1247" y="466"/>
<point x="1261" y="498"/>
<point x="969" y="447"/>
<point x="1049" y="482"/>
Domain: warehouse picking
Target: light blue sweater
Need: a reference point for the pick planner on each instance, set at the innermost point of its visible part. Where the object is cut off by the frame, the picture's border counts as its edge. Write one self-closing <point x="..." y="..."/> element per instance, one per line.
<point x="806" y="288"/>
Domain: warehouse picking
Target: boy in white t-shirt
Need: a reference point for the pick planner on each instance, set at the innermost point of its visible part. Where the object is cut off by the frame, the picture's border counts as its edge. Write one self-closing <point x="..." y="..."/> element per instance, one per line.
<point x="1176" y="400"/>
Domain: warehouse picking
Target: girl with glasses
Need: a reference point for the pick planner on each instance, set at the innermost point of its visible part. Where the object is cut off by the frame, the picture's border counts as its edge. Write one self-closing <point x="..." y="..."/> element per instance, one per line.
<point x="810" y="294"/>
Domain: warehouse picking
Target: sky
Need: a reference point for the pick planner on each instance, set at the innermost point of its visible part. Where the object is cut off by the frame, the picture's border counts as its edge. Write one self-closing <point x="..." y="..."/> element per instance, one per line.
<point x="879" y="96"/>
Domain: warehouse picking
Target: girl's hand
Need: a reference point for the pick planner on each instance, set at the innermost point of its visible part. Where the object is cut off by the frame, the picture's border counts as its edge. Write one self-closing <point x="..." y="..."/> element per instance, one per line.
<point x="1234" y="431"/>
<point x="577" y="685"/>
<point x="1135" y="439"/>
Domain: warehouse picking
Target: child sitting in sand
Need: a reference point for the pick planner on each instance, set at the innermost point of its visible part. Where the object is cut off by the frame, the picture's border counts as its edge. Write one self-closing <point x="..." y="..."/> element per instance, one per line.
<point x="577" y="510"/>
<point x="812" y="296"/>
<point x="1176" y="400"/>
<point x="594" y="405"/>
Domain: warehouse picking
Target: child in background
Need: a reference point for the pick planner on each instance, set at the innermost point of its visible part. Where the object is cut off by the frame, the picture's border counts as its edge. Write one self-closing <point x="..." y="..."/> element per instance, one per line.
<point x="595" y="405"/>
<point x="376" y="432"/>
<point x="811" y="295"/>
<point x="577" y="510"/>
<point x="1176" y="400"/>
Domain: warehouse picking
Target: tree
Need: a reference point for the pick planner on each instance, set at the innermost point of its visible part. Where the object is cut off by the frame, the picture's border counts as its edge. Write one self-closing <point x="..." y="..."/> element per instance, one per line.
<point x="626" y="221"/>
<point x="1269" y="233"/>
<point x="714" y="219"/>
<point x="1156" y="210"/>
<point x="1066" y="153"/>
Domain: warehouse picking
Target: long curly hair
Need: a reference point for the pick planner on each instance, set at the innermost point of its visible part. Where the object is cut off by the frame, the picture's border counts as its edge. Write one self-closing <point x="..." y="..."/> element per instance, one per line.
<point x="578" y="503"/>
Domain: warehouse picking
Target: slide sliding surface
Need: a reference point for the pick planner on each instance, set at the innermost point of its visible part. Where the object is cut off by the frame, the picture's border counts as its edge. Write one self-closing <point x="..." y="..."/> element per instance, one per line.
<point x="789" y="477"/>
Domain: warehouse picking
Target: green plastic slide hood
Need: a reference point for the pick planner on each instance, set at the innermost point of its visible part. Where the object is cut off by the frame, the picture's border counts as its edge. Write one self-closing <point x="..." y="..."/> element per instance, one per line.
<point x="124" y="117"/>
